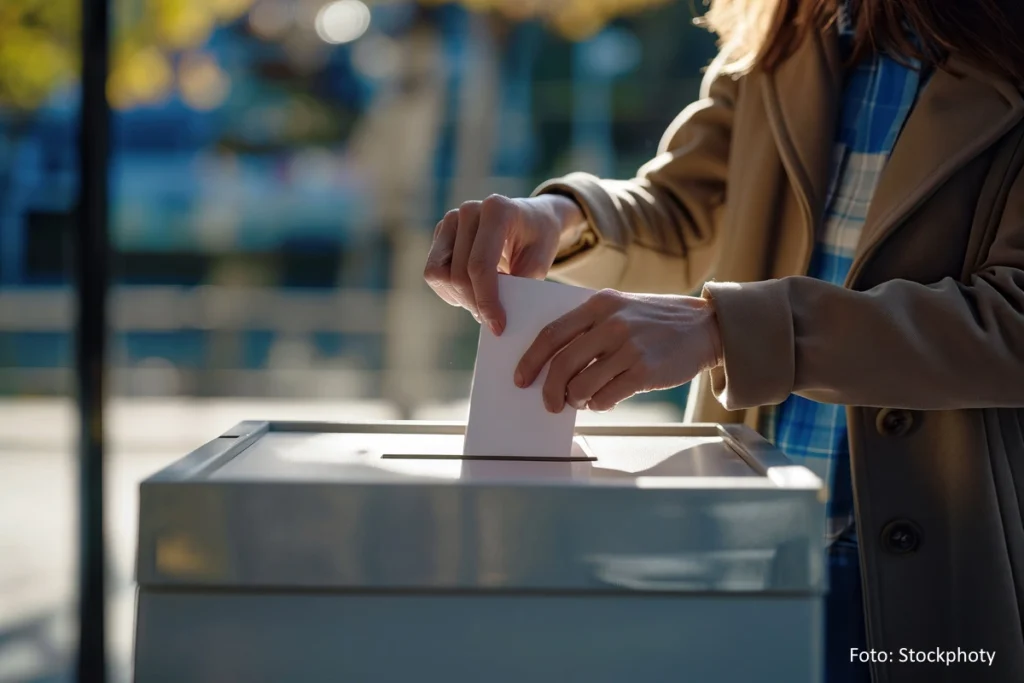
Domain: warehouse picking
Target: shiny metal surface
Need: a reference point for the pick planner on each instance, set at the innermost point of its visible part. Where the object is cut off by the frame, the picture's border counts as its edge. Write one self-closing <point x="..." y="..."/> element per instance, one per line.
<point x="288" y="456"/>
<point x="214" y="637"/>
<point x="689" y="508"/>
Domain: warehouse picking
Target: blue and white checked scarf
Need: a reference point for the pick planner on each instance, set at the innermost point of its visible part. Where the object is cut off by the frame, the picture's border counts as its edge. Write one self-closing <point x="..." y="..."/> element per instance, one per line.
<point x="877" y="98"/>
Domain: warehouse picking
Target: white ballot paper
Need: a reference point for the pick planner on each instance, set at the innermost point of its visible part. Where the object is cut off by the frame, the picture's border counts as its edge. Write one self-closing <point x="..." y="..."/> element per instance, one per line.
<point x="505" y="420"/>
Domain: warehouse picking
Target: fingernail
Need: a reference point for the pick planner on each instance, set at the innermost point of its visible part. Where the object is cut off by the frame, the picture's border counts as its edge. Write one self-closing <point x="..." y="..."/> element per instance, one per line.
<point x="519" y="379"/>
<point x="578" y="405"/>
<point x="495" y="328"/>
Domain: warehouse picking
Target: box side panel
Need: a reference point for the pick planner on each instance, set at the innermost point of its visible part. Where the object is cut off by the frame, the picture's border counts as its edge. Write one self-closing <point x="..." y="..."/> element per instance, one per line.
<point x="482" y="537"/>
<point x="214" y="637"/>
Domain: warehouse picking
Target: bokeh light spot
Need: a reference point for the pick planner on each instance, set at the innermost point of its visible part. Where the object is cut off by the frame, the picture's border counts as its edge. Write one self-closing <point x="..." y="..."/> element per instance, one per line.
<point x="204" y="85"/>
<point x="270" y="19"/>
<point x="342" y="21"/>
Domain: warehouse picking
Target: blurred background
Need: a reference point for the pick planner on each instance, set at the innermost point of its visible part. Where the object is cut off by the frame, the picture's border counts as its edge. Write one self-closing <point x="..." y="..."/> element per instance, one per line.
<point x="277" y="170"/>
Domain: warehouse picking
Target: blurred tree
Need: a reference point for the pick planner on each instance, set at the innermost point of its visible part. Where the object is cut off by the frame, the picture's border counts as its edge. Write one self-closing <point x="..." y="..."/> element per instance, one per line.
<point x="39" y="50"/>
<point x="156" y="52"/>
<point x="575" y="19"/>
<point x="39" y="42"/>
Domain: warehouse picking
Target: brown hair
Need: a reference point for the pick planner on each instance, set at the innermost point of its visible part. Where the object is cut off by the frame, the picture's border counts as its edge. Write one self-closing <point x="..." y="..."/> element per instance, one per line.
<point x="765" y="32"/>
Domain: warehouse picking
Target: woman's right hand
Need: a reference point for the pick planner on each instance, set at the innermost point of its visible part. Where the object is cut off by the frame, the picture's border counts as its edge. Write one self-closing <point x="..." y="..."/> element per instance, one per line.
<point x="475" y="242"/>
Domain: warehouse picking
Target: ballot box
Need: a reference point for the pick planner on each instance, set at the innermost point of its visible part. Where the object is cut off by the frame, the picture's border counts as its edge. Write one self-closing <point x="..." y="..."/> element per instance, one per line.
<point x="310" y="552"/>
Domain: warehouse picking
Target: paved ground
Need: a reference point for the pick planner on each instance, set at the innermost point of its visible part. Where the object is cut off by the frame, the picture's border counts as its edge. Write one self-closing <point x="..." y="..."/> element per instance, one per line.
<point x="38" y="514"/>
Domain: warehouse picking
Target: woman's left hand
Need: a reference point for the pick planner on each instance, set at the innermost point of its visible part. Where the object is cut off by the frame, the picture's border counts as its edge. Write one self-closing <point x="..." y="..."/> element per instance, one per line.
<point x="617" y="345"/>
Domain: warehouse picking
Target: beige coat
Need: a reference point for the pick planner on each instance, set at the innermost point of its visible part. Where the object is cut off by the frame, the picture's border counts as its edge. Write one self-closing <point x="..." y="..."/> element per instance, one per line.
<point x="925" y="341"/>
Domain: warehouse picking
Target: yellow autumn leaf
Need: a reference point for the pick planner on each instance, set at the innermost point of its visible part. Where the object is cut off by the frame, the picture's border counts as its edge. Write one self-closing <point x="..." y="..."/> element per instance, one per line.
<point x="229" y="10"/>
<point x="182" y="24"/>
<point x="145" y="77"/>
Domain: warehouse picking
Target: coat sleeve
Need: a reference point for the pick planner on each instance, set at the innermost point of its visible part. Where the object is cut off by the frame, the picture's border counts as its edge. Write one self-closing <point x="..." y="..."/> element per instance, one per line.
<point x="953" y="344"/>
<point x="657" y="233"/>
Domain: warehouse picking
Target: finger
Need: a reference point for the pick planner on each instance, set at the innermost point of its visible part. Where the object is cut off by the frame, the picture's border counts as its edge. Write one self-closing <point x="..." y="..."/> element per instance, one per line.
<point x="462" y="284"/>
<point x="496" y="214"/>
<point x="438" y="271"/>
<point x="629" y="383"/>
<point x="584" y="386"/>
<point x="574" y="359"/>
<point x="550" y="341"/>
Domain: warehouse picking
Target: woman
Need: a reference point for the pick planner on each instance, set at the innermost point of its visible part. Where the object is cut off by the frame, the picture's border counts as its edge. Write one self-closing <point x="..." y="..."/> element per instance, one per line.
<point x="851" y="183"/>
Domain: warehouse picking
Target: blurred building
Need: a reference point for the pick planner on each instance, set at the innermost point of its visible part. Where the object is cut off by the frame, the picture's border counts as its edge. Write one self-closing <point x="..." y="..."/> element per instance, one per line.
<point x="287" y="181"/>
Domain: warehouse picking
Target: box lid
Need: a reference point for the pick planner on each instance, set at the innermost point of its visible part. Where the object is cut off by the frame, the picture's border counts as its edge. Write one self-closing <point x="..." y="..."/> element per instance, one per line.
<point x="394" y="506"/>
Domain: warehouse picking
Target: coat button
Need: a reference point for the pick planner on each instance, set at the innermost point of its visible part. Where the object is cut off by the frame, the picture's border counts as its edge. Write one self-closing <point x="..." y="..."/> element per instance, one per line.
<point x="901" y="537"/>
<point x="894" y="422"/>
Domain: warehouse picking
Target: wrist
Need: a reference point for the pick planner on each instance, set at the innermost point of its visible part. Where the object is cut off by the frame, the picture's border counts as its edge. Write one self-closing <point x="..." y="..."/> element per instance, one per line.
<point x="570" y="220"/>
<point x="717" y="355"/>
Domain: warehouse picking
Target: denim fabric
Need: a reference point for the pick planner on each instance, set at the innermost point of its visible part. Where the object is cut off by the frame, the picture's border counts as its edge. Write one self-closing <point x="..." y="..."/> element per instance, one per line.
<point x="844" y="616"/>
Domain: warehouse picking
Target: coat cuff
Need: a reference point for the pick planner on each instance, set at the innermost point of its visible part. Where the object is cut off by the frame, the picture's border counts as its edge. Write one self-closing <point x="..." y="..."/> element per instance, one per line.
<point x="606" y="260"/>
<point x="755" y="322"/>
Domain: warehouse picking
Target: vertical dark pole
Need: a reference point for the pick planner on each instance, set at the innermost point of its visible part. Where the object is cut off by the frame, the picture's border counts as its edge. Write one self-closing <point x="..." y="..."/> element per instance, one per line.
<point x="91" y="263"/>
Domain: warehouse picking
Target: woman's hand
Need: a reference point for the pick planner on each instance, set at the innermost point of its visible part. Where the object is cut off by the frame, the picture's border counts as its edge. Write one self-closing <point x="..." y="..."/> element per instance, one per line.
<point x="617" y="345"/>
<point x="516" y="236"/>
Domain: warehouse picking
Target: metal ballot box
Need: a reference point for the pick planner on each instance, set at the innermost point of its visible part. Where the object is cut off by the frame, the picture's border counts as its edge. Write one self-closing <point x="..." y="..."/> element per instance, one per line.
<point x="308" y="553"/>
